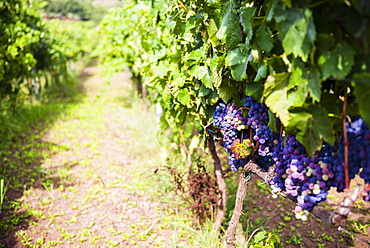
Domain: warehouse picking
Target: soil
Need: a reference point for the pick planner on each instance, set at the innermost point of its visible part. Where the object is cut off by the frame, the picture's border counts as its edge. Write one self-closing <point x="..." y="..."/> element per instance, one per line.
<point x="263" y="211"/>
<point x="90" y="200"/>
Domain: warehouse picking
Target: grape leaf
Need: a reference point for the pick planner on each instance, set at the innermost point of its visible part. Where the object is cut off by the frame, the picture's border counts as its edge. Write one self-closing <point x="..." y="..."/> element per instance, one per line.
<point x="362" y="92"/>
<point x="178" y="27"/>
<point x="271" y="6"/>
<point x="241" y="149"/>
<point x="313" y="125"/>
<point x="259" y="237"/>
<point x="272" y="122"/>
<point x="216" y="64"/>
<point x="212" y="32"/>
<point x="297" y="86"/>
<point x="183" y="96"/>
<point x="263" y="38"/>
<point x="298" y="96"/>
<point x="238" y="60"/>
<point x="169" y="119"/>
<point x="337" y="62"/>
<point x="254" y="90"/>
<point x="203" y="91"/>
<point x="303" y="82"/>
<point x="287" y="2"/>
<point x="193" y="57"/>
<point x="207" y="80"/>
<point x="161" y="70"/>
<point x="228" y="32"/>
<point x="226" y="91"/>
<point x="276" y="95"/>
<point x="246" y="19"/>
<point x="261" y="72"/>
<point x="181" y="115"/>
<point x="314" y="84"/>
<point x="296" y="30"/>
<point x="202" y="73"/>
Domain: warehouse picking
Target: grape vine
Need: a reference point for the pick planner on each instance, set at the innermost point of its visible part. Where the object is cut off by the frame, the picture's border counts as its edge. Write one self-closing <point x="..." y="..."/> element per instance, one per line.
<point x="282" y="81"/>
<point x="307" y="178"/>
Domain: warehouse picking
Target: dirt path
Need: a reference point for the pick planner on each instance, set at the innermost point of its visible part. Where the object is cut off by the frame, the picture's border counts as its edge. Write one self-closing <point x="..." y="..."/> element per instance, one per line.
<point x="90" y="199"/>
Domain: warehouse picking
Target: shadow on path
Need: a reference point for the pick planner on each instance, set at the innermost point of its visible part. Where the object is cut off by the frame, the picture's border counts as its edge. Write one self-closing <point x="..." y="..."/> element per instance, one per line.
<point x="23" y="154"/>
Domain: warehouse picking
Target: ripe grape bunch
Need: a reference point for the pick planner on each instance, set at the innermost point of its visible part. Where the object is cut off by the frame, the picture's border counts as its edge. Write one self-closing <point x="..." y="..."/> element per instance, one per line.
<point x="231" y="122"/>
<point x="307" y="179"/>
<point x="233" y="126"/>
<point x="266" y="140"/>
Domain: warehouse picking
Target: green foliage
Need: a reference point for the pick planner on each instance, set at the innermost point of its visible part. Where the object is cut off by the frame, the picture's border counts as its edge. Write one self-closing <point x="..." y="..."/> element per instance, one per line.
<point x="297" y="57"/>
<point x="22" y="41"/>
<point x="82" y="9"/>
<point x="72" y="39"/>
<point x="33" y="54"/>
<point x="127" y="34"/>
<point x="265" y="239"/>
<point x="34" y="59"/>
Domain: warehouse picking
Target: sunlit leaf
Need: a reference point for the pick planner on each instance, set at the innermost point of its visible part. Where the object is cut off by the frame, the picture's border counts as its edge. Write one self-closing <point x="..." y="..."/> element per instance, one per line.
<point x="238" y="60"/>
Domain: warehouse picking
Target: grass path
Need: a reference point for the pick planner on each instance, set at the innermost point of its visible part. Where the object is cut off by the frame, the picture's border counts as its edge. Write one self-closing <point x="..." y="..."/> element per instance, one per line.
<point x="91" y="194"/>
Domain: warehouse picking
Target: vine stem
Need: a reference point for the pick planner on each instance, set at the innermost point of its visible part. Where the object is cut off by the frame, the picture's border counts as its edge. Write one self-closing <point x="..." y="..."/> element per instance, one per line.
<point x="221" y="211"/>
<point x="240" y="195"/>
<point x="346" y="143"/>
<point x="250" y="167"/>
<point x="281" y="131"/>
<point x="186" y="150"/>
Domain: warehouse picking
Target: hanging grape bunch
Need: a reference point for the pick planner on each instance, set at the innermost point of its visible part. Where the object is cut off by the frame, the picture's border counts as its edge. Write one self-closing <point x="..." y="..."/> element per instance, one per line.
<point x="308" y="179"/>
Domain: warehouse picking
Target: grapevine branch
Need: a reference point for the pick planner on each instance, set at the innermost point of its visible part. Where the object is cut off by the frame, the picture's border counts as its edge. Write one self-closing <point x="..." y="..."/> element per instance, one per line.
<point x="186" y="150"/>
<point x="336" y="218"/>
<point x="346" y="143"/>
<point x="240" y="195"/>
<point x="220" y="215"/>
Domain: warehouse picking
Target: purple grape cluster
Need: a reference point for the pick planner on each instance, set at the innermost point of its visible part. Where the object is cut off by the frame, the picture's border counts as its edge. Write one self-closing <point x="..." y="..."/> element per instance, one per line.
<point x="308" y="179"/>
<point x="258" y="120"/>
<point x="265" y="162"/>
<point x="281" y="154"/>
<point x="357" y="154"/>
<point x="257" y="113"/>
<point x="266" y="140"/>
<point x="358" y="135"/>
<point x="231" y="122"/>
<point x="219" y="114"/>
<point x="233" y="126"/>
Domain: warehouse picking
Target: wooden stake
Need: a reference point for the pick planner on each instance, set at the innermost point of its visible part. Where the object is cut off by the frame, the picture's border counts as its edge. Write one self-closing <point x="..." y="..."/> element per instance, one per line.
<point x="345" y="142"/>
